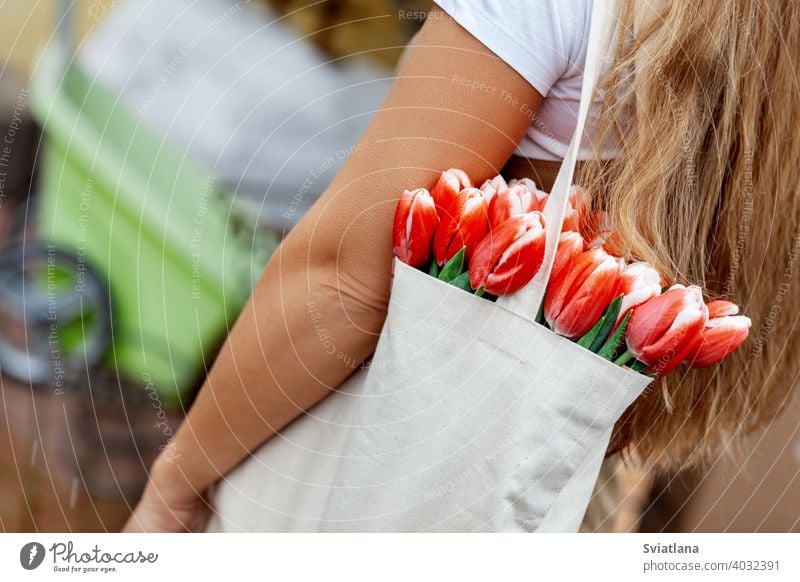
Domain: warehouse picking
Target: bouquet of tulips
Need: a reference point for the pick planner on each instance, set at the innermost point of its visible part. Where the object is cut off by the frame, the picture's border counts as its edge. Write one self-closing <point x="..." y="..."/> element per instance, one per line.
<point x="490" y="241"/>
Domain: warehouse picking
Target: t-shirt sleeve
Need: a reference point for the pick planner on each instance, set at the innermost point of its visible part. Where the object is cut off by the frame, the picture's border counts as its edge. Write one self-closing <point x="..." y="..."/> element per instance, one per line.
<point x="540" y="39"/>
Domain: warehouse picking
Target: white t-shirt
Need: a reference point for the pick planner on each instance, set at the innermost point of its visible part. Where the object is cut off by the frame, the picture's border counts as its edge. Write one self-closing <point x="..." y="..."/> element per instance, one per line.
<point x="545" y="41"/>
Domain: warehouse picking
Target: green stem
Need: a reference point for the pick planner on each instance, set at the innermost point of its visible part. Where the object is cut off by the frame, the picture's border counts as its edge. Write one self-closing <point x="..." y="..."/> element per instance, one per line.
<point x="480" y="291"/>
<point x="624" y="358"/>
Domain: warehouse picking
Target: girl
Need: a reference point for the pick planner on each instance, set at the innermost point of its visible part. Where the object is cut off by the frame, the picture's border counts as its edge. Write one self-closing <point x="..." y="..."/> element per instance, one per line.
<point x="692" y="149"/>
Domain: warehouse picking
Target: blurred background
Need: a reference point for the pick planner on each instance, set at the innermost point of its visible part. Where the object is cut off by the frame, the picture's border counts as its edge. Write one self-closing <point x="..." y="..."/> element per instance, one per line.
<point x="153" y="154"/>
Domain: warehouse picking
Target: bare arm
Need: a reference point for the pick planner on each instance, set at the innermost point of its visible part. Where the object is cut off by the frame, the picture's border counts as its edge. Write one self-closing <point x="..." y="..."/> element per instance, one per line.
<point x="454" y="104"/>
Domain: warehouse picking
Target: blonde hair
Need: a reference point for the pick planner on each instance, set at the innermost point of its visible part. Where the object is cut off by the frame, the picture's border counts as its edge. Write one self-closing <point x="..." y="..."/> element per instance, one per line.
<point x="703" y="98"/>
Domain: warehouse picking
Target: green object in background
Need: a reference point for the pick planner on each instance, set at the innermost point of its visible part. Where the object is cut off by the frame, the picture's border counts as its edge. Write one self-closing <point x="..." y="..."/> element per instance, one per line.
<point x="177" y="252"/>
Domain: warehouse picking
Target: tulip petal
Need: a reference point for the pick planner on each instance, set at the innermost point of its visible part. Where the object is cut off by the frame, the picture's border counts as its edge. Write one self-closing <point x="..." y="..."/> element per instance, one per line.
<point x="510" y="255"/>
<point x="561" y="284"/>
<point x="588" y="301"/>
<point x="719" y="339"/>
<point x="639" y="283"/>
<point x="513" y="202"/>
<point x="415" y="222"/>
<point x="450" y="183"/>
<point x="570" y="245"/>
<point x="465" y="226"/>
<point x="653" y="318"/>
<point x="579" y="294"/>
<point x="664" y="329"/>
<point x="493" y="187"/>
<point x="721" y="308"/>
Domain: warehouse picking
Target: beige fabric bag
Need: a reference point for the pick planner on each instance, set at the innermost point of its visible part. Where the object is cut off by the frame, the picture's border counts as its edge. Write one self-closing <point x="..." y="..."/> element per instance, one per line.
<point x="470" y="416"/>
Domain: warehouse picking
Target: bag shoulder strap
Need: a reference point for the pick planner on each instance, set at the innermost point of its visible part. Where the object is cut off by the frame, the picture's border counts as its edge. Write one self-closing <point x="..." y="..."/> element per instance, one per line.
<point x="526" y="301"/>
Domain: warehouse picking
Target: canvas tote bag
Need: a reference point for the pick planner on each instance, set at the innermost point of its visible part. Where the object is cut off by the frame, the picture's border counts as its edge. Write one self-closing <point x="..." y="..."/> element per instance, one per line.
<point x="469" y="417"/>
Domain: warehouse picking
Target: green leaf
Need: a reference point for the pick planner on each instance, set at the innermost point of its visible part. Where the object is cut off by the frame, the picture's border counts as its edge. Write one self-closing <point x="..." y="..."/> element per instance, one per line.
<point x="608" y="349"/>
<point x="609" y="319"/>
<point x="588" y="339"/>
<point x="462" y="282"/>
<point x="452" y="268"/>
<point x="433" y="269"/>
<point x="540" y="314"/>
<point x="638" y="366"/>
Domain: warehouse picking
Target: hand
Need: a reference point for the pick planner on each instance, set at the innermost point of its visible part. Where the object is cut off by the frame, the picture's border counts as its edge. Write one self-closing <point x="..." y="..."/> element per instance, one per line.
<point x="169" y="505"/>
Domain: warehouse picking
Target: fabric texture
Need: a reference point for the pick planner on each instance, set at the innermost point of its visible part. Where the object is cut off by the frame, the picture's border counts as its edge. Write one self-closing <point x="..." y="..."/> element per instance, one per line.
<point x="545" y="41"/>
<point x="468" y="418"/>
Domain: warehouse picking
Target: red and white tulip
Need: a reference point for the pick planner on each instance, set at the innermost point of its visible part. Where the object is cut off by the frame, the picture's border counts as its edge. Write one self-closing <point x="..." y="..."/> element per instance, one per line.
<point x="464" y="226"/>
<point x="527" y="182"/>
<point x="638" y="283"/>
<point x="581" y="291"/>
<point x="513" y="202"/>
<point x="450" y="183"/>
<point x="591" y="292"/>
<point x="662" y="331"/>
<point x="493" y="187"/>
<point x="570" y="245"/>
<point x="723" y="333"/>
<point x="510" y="255"/>
<point x="596" y="229"/>
<point x="577" y="210"/>
<point x="415" y="222"/>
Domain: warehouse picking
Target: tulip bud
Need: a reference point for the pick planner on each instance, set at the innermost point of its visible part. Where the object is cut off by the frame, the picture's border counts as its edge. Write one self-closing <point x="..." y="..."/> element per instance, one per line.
<point x="638" y="283"/>
<point x="540" y="196"/>
<point x="723" y="333"/>
<point x="464" y="226"/>
<point x="510" y="255"/>
<point x="721" y="308"/>
<point x="446" y="189"/>
<point x="580" y="292"/>
<point x="663" y="330"/>
<point x="527" y="182"/>
<point x="577" y="210"/>
<point x="596" y="229"/>
<point x="514" y="201"/>
<point x="570" y="245"/>
<point x="595" y="224"/>
<point x="415" y="222"/>
<point x="611" y="242"/>
<point x="493" y="187"/>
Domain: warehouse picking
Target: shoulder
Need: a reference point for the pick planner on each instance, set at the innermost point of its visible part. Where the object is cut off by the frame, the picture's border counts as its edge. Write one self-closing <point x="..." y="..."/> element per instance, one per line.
<point x="543" y="40"/>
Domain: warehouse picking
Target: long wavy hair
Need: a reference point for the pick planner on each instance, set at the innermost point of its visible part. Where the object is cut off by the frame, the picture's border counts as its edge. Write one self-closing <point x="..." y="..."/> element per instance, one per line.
<point x="704" y="100"/>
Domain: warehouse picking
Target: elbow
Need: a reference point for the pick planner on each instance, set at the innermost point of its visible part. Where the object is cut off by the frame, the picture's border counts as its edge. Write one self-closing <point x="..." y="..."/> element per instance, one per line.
<point x="347" y="290"/>
<point x="361" y="299"/>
